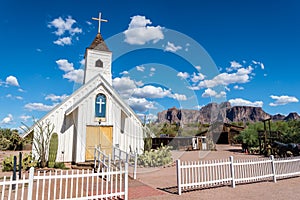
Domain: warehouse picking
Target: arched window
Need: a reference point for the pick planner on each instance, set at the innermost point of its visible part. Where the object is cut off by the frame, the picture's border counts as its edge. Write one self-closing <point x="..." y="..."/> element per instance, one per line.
<point x="99" y="63"/>
<point x="100" y="106"/>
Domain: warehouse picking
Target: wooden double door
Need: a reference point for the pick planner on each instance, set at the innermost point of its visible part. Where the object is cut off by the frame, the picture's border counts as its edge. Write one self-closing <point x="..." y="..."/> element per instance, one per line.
<point x="98" y="136"/>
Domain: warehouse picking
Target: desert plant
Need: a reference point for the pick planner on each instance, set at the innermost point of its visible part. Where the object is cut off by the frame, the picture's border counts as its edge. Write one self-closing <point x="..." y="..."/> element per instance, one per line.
<point x="53" y="150"/>
<point x="41" y="139"/>
<point x="60" y="165"/>
<point x="155" y="158"/>
<point x="27" y="162"/>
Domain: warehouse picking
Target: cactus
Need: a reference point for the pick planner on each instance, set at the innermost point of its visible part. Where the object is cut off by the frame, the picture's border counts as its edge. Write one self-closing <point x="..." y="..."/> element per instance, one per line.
<point x="53" y="150"/>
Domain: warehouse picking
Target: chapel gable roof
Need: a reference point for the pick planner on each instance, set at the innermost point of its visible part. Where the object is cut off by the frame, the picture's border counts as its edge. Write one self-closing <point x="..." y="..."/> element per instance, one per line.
<point x="99" y="44"/>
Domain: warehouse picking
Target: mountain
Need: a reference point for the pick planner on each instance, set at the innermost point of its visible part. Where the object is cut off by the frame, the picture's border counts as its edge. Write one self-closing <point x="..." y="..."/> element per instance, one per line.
<point x="292" y="116"/>
<point x="223" y="112"/>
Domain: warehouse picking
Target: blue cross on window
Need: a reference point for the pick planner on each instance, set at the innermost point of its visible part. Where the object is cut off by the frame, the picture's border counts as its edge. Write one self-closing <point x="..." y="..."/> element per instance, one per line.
<point x="100" y="106"/>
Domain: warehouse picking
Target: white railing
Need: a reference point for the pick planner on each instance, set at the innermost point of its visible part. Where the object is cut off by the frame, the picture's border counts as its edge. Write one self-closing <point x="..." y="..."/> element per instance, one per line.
<point x="101" y="160"/>
<point x="212" y="173"/>
<point x="68" y="184"/>
<point x="125" y="157"/>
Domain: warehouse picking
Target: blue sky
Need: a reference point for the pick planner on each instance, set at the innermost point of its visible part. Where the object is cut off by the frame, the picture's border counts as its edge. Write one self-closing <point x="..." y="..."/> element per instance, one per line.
<point x="165" y="53"/>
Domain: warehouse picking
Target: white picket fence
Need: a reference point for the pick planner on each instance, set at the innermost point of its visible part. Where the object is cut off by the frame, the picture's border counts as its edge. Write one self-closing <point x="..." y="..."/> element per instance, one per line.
<point x="125" y="157"/>
<point x="101" y="160"/>
<point x="212" y="173"/>
<point x="67" y="184"/>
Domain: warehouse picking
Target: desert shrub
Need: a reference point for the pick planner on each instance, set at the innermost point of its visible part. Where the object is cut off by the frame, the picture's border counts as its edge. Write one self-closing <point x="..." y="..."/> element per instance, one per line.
<point x="155" y="158"/>
<point x="27" y="162"/>
<point x="60" y="165"/>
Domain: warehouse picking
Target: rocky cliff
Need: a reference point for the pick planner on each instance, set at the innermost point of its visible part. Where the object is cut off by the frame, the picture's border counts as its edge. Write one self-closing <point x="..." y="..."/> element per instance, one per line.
<point x="220" y="112"/>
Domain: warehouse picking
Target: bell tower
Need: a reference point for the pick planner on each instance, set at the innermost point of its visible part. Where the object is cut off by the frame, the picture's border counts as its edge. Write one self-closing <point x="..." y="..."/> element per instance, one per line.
<point x="98" y="58"/>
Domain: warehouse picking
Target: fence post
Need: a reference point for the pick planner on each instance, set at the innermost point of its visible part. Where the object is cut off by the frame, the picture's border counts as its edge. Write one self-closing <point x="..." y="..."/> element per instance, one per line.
<point x="113" y="156"/>
<point x="30" y="184"/>
<point x="14" y="177"/>
<point x="178" y="169"/>
<point x="232" y="171"/>
<point x="20" y="165"/>
<point x="109" y="166"/>
<point x="135" y="165"/>
<point x="126" y="182"/>
<point x="273" y="168"/>
<point x="95" y="151"/>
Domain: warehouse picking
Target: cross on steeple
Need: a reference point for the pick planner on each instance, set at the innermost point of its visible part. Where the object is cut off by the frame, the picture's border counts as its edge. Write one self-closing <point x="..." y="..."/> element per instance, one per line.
<point x="99" y="21"/>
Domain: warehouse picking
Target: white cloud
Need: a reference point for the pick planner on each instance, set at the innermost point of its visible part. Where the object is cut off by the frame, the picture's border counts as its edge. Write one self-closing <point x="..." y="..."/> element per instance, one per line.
<point x="198" y="67"/>
<point x="64" y="65"/>
<point x="183" y="75"/>
<point x="63" y="41"/>
<point x="124" y="73"/>
<point x="124" y="85"/>
<point x="63" y="26"/>
<point x="150" y="91"/>
<point x="39" y="107"/>
<point x="25" y="117"/>
<point x="197" y="77"/>
<point x="172" y="47"/>
<point x="54" y="97"/>
<point x="12" y="80"/>
<point x="237" y="87"/>
<point x="243" y="102"/>
<point x="139" y="32"/>
<point x="283" y="100"/>
<point x="82" y="62"/>
<point x="75" y="75"/>
<point x="7" y="120"/>
<point x="152" y="70"/>
<point x="233" y="66"/>
<point x="179" y="97"/>
<point x="225" y="79"/>
<point x="262" y="66"/>
<point x="21" y="90"/>
<point x="14" y="97"/>
<point x="140" y="68"/>
<point x="140" y="104"/>
<point x="212" y="93"/>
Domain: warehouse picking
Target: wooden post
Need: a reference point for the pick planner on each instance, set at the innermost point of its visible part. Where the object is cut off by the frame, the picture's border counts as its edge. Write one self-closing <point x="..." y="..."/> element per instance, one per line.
<point x="14" y="172"/>
<point x="178" y="169"/>
<point x="232" y="171"/>
<point x="20" y="165"/>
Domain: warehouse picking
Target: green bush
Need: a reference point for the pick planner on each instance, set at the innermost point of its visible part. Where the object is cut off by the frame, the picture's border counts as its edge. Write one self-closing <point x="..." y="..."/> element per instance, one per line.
<point x="155" y="158"/>
<point x="60" y="165"/>
<point x="27" y="162"/>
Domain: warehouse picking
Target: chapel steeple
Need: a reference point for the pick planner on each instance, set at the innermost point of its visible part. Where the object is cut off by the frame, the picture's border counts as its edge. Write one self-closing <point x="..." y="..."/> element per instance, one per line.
<point x="98" y="57"/>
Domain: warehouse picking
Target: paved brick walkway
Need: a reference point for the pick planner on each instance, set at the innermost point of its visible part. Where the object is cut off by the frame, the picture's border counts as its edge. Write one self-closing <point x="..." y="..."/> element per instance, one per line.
<point x="139" y="190"/>
<point x="160" y="183"/>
